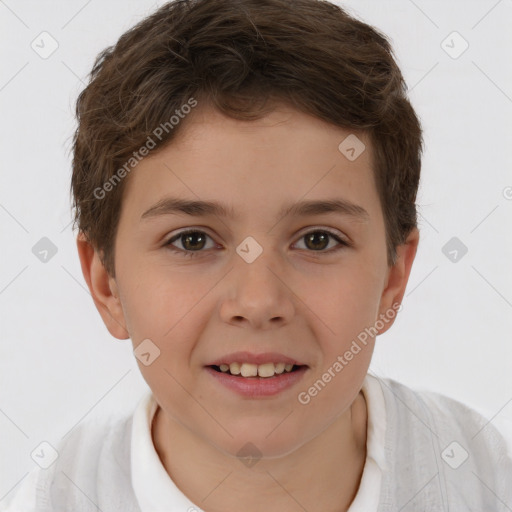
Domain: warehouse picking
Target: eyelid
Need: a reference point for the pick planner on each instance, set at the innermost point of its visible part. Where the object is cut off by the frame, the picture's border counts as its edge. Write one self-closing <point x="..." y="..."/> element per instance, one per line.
<point x="342" y="239"/>
<point x="331" y="231"/>
<point x="185" y="231"/>
<point x="302" y="232"/>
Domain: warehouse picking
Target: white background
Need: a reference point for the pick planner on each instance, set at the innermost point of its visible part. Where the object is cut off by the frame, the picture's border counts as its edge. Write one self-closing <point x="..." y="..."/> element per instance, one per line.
<point x="58" y="363"/>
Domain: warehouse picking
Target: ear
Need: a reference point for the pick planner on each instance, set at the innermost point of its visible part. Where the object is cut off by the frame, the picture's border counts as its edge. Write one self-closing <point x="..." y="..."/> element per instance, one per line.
<point x="398" y="276"/>
<point x="103" y="289"/>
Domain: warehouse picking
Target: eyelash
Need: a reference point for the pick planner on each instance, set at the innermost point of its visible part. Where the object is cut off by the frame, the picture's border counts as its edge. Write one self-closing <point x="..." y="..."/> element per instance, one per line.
<point x="190" y="254"/>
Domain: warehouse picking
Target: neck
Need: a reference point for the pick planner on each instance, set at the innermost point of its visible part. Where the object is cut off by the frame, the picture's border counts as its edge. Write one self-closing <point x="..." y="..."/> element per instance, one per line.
<point x="322" y="475"/>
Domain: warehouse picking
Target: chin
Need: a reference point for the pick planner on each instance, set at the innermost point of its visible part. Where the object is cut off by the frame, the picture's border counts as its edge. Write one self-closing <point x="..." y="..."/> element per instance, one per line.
<point x="262" y="443"/>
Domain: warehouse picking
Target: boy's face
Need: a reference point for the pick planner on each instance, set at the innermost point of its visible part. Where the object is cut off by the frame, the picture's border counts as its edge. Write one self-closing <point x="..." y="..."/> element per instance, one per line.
<point x="300" y="297"/>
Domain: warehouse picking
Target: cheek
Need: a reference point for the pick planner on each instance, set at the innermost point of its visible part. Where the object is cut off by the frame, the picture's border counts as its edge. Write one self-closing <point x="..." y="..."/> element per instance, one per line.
<point x="348" y="309"/>
<point x="168" y="309"/>
<point x="158" y="299"/>
<point x="347" y="301"/>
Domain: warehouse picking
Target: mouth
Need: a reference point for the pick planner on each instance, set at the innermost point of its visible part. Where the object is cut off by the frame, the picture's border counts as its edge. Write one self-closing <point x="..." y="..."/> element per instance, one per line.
<point x="256" y="375"/>
<point x="254" y="381"/>
<point x="256" y="371"/>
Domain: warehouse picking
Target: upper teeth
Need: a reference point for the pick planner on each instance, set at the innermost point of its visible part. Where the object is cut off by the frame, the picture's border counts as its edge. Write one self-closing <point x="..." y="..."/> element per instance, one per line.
<point x="253" y="370"/>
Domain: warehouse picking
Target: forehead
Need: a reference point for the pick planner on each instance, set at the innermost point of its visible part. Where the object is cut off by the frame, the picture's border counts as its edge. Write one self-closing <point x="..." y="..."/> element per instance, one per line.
<point x="281" y="158"/>
<point x="283" y="124"/>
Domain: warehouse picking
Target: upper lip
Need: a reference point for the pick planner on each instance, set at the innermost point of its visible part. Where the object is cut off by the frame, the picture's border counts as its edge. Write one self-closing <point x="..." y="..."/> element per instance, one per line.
<point x="249" y="357"/>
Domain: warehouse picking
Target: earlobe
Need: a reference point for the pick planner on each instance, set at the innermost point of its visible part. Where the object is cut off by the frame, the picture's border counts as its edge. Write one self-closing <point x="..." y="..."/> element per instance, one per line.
<point x="398" y="277"/>
<point x="103" y="289"/>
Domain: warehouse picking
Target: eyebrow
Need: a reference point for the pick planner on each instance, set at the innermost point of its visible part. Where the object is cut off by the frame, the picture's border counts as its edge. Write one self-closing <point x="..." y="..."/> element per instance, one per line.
<point x="174" y="205"/>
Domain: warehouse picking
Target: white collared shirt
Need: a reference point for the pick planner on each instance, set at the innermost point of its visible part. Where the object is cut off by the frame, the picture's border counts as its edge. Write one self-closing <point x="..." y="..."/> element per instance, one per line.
<point x="410" y="439"/>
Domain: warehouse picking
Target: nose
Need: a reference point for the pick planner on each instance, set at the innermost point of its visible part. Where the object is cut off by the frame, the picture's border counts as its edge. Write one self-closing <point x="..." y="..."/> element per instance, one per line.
<point x="256" y="294"/>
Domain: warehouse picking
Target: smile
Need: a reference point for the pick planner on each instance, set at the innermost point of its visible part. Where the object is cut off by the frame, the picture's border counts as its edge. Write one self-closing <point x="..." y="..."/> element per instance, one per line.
<point x="255" y="370"/>
<point x="253" y="385"/>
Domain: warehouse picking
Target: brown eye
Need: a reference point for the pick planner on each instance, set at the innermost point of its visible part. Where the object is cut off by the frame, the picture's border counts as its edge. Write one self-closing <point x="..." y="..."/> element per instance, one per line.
<point x="318" y="241"/>
<point x="192" y="241"/>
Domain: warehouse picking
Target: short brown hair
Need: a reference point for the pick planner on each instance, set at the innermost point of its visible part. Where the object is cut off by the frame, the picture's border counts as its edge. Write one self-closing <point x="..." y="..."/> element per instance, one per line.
<point x="242" y="56"/>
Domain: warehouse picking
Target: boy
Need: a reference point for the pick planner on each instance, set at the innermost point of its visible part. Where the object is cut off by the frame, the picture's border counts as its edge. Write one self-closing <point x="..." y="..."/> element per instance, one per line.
<point x="277" y="136"/>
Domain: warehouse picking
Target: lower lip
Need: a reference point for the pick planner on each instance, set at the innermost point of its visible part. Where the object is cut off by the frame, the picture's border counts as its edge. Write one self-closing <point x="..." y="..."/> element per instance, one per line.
<point x="258" y="386"/>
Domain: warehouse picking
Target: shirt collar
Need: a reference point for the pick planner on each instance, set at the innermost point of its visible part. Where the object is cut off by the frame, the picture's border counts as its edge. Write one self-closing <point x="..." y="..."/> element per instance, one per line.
<point x="154" y="489"/>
